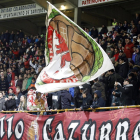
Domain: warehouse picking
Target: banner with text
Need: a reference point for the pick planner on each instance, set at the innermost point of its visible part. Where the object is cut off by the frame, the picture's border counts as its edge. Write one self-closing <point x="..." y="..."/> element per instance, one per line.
<point x="22" y="10"/>
<point x="123" y="124"/>
<point x="82" y="3"/>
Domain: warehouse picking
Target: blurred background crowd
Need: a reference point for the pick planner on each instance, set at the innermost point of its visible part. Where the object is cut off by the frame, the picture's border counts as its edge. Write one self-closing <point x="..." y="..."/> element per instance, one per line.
<point x="22" y="59"/>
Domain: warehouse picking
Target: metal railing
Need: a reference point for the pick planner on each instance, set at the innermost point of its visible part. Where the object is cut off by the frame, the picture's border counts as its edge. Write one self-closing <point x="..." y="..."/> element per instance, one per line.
<point x="76" y="109"/>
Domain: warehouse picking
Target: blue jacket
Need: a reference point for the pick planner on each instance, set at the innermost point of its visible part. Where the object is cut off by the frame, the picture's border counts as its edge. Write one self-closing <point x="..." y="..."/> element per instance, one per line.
<point x="133" y="56"/>
<point x="137" y="59"/>
<point x="71" y="91"/>
<point x="99" y="102"/>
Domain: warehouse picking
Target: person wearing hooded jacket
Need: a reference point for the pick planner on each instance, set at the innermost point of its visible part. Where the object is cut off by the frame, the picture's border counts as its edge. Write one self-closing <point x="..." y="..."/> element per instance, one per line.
<point x="65" y="99"/>
<point x="99" y="85"/>
<point x="78" y="99"/>
<point x="126" y="92"/>
<point x="98" y="101"/>
<point x="87" y="99"/>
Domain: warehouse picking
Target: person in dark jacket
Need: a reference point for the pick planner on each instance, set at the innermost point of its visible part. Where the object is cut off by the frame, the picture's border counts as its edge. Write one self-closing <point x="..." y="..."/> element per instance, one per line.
<point x="19" y="94"/>
<point x="127" y="91"/>
<point x="65" y="99"/>
<point x="137" y="57"/>
<point x="123" y="68"/>
<point x="112" y="77"/>
<point x="99" y="85"/>
<point x="10" y="103"/>
<point x="104" y="29"/>
<point x="134" y="81"/>
<point x="87" y="99"/>
<point x="56" y="100"/>
<point x="116" y="98"/>
<point x="4" y="85"/>
<point x="78" y="99"/>
<point x="94" y="32"/>
<point x="19" y="81"/>
<point x="98" y="101"/>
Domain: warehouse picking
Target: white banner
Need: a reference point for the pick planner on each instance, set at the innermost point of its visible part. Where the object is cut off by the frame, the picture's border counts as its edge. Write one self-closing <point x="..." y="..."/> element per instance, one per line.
<point x="82" y="3"/>
<point x="73" y="57"/>
<point x="20" y="11"/>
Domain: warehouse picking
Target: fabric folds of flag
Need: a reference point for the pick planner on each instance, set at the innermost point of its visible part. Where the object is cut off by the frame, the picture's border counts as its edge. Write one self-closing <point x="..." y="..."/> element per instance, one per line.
<point x="72" y="56"/>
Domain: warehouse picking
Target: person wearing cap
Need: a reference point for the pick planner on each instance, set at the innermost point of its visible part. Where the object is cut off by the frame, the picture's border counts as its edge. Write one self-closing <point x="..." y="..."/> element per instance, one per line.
<point x="128" y="50"/>
<point x="123" y="68"/>
<point x="98" y="101"/>
<point x="10" y="103"/>
<point x="126" y="92"/>
<point x="87" y="99"/>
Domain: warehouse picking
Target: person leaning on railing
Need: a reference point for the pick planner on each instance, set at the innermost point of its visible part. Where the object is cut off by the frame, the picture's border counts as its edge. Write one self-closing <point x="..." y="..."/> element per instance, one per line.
<point x="23" y="103"/>
<point x="10" y="103"/>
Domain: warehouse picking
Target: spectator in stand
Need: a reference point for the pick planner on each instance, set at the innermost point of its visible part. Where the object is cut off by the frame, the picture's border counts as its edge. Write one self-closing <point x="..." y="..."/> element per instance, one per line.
<point x="26" y="64"/>
<point x="98" y="101"/>
<point x="99" y="85"/>
<point x="94" y="32"/>
<point x="2" y="102"/>
<point x="23" y="104"/>
<point x="87" y="99"/>
<point x="104" y="30"/>
<point x="137" y="57"/>
<point x="24" y="83"/>
<point x="134" y="53"/>
<point x="116" y="56"/>
<point x="78" y="99"/>
<point x="116" y="97"/>
<point x="29" y="81"/>
<point x="128" y="50"/>
<point x="10" y="103"/>
<point x="123" y="68"/>
<point x="133" y="79"/>
<point x="66" y="99"/>
<point x="114" y="23"/>
<point x="137" y="19"/>
<point x="32" y="84"/>
<point x="125" y="25"/>
<point x="56" y="100"/>
<point x="18" y="94"/>
<point x="19" y="82"/>
<point x="4" y="85"/>
<point x="126" y="92"/>
<point x="10" y="75"/>
<point x="21" y="34"/>
<point x="138" y="27"/>
<point x="13" y="87"/>
<point x="134" y="30"/>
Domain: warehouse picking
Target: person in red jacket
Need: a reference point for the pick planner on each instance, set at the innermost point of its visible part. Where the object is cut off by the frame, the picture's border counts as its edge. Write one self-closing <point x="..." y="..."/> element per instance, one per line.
<point x="128" y="49"/>
<point x="16" y="53"/>
<point x="116" y="54"/>
<point x="26" y="64"/>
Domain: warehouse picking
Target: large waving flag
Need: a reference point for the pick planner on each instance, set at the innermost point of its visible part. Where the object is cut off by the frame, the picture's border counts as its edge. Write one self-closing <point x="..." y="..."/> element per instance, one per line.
<point x="72" y="56"/>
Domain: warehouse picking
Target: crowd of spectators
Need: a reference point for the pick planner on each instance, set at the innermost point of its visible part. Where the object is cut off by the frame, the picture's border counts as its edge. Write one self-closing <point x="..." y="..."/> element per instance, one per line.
<point x="22" y="59"/>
